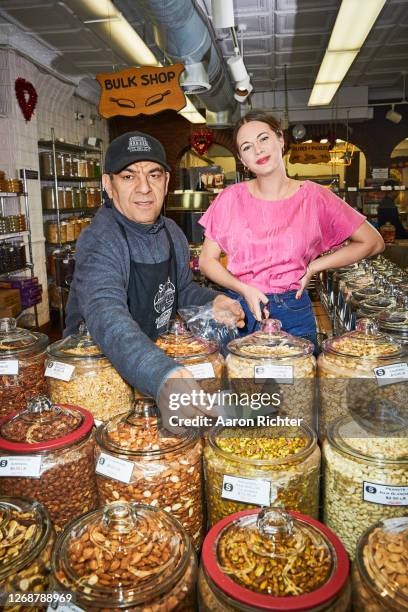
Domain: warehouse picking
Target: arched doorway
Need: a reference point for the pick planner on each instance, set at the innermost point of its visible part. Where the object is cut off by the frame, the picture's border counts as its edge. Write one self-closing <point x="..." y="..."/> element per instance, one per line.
<point x="399" y="172"/>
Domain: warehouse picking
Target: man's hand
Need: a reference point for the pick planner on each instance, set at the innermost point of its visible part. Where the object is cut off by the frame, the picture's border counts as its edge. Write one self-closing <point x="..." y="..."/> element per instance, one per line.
<point x="228" y="311"/>
<point x="254" y="297"/>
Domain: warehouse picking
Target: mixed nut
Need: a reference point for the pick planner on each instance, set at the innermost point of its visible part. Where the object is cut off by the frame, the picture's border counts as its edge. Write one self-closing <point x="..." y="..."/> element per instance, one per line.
<point x="16" y="390"/>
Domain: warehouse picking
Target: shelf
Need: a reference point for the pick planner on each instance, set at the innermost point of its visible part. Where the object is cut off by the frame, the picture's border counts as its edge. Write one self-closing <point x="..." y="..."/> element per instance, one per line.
<point x="59" y="244"/>
<point x="13" y="235"/>
<point x="12" y="194"/>
<point x="67" y="146"/>
<point x="27" y="267"/>
<point x="70" y="210"/>
<point x="72" y="179"/>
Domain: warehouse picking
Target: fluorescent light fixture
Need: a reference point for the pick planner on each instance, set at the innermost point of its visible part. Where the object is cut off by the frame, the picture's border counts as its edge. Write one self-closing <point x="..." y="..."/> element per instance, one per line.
<point x="353" y="24"/>
<point x="338" y="140"/>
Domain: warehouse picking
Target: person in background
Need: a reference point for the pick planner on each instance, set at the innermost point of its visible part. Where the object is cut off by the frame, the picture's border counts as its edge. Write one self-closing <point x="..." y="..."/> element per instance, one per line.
<point x="273" y="230"/>
<point x="388" y="211"/>
<point x="132" y="268"/>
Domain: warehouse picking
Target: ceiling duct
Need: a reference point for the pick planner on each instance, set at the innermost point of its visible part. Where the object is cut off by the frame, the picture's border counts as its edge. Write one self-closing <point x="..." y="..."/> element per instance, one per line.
<point x="182" y="32"/>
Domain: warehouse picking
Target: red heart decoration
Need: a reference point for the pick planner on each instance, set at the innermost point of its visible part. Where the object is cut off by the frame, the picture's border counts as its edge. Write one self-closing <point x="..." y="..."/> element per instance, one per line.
<point x="202" y="141"/>
<point x="26" y="97"/>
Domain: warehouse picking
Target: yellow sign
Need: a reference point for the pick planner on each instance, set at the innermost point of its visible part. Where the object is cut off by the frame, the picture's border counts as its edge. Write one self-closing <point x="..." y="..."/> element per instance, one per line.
<point x="310" y="153"/>
<point x="148" y="90"/>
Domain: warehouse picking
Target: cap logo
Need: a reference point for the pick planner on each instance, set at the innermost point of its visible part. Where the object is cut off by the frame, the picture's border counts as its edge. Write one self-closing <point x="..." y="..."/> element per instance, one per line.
<point x="138" y="143"/>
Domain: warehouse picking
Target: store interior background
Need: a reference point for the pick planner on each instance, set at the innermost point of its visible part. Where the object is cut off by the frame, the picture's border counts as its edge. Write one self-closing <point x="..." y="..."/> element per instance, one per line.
<point x="49" y="44"/>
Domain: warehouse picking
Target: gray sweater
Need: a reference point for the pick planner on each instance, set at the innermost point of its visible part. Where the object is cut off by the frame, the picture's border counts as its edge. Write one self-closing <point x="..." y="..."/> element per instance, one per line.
<point x="98" y="293"/>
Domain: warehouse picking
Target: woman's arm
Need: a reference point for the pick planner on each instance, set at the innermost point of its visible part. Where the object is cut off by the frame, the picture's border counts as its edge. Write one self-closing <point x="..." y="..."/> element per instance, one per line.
<point x="364" y="242"/>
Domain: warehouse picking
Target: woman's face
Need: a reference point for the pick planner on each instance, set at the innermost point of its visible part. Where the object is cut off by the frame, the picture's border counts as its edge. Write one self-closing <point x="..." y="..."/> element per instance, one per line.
<point x="260" y="148"/>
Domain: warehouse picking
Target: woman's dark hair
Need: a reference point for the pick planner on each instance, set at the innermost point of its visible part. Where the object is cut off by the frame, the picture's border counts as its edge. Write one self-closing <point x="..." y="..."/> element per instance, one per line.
<point x="257" y="115"/>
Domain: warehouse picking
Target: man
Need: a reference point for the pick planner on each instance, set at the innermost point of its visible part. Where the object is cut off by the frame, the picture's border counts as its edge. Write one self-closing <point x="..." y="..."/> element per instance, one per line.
<point x="388" y="211"/>
<point x="132" y="268"/>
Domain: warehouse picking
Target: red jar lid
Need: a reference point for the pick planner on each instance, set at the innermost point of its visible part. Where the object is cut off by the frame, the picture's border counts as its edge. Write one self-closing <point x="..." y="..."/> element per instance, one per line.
<point x="44" y="426"/>
<point x="326" y="592"/>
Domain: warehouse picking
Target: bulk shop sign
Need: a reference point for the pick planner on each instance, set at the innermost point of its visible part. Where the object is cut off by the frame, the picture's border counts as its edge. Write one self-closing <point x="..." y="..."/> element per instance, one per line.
<point x="146" y="90"/>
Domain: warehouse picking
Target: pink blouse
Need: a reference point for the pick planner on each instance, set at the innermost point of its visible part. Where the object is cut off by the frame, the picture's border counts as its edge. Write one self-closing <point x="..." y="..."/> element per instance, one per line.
<point x="270" y="243"/>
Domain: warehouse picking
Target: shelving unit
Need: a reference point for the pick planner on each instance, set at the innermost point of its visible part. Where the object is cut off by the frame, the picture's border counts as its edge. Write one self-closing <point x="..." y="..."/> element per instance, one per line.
<point x="6" y="197"/>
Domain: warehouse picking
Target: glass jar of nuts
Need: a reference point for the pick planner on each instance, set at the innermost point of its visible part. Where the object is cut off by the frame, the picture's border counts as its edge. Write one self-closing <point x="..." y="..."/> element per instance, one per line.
<point x="272" y="560"/>
<point x="126" y="557"/>
<point x="380" y="572"/>
<point x="155" y="467"/>
<point x="22" y="357"/>
<point x="47" y="453"/>
<point x="92" y="383"/>
<point x="259" y="466"/>
<point x="25" y="559"/>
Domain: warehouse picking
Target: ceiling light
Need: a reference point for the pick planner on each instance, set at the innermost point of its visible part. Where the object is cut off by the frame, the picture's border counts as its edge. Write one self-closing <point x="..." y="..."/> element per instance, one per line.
<point x="223" y="14"/>
<point x="350" y="31"/>
<point x="393" y="116"/>
<point x="324" y="140"/>
<point x="237" y="68"/>
<point x="242" y="90"/>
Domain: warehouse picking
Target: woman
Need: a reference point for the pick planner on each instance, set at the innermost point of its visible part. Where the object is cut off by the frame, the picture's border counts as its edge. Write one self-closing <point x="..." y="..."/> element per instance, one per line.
<point x="273" y="229"/>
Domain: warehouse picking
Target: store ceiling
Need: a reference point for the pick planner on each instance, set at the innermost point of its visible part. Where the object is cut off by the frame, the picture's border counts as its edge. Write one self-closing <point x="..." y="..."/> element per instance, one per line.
<point x="294" y="33"/>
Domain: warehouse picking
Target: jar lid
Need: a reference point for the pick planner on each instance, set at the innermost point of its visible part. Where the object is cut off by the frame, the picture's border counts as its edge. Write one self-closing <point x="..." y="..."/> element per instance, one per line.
<point x="76" y="347"/>
<point x="25" y="529"/>
<point x="179" y="343"/>
<point x="17" y="340"/>
<point x="366" y="292"/>
<point x="365" y="342"/>
<point x="382" y="560"/>
<point x="394" y="320"/>
<point x="377" y="303"/>
<point x="153" y="544"/>
<point x="263" y="445"/>
<point x="140" y="432"/>
<point x="275" y="560"/>
<point x="44" y="426"/>
<point x="270" y="343"/>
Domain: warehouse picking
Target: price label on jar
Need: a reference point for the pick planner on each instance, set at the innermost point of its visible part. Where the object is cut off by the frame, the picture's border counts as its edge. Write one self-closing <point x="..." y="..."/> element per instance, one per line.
<point x="385" y="495"/>
<point x="201" y="370"/>
<point x="8" y="367"/>
<point x="61" y="603"/>
<point x="28" y="467"/>
<point x="246" y="490"/>
<point x="62" y="371"/>
<point x="282" y="374"/>
<point x="388" y="375"/>
<point x="118" y="469"/>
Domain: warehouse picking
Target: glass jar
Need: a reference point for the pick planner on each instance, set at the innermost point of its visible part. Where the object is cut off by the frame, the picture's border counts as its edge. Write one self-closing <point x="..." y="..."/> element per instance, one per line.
<point x="83" y="192"/>
<point x="158" y="469"/>
<point x="375" y="305"/>
<point x="82" y="167"/>
<point x="64" y="231"/>
<point x="272" y="361"/>
<point x="50" y="449"/>
<point x="26" y="543"/>
<point x="380" y="573"/>
<point x="388" y="232"/>
<point x="76" y="197"/>
<point x="70" y="230"/>
<point x="137" y="558"/>
<point x="22" y="357"/>
<point x="68" y="198"/>
<point x="91" y="198"/>
<point x="77" y="228"/>
<point x="351" y="373"/>
<point x="59" y="158"/>
<point x="89" y="168"/>
<point x="51" y="232"/>
<point x="46" y="164"/>
<point x="93" y="382"/>
<point x="199" y="356"/>
<point x="395" y="323"/>
<point x="67" y="165"/>
<point x="286" y="459"/>
<point x="365" y="472"/>
<point x="272" y="560"/>
<point x="74" y="165"/>
<point x="96" y="168"/>
<point x="365" y="293"/>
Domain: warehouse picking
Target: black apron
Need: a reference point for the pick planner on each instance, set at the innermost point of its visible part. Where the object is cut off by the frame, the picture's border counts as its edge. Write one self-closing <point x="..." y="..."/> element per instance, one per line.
<point x="152" y="291"/>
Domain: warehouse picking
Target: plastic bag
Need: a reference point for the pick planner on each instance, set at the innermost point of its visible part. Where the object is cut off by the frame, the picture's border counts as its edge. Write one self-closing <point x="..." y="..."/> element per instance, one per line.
<point x="201" y="322"/>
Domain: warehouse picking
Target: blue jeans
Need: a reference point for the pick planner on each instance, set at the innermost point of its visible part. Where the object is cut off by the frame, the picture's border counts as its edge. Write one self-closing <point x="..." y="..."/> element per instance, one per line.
<point x="296" y="316"/>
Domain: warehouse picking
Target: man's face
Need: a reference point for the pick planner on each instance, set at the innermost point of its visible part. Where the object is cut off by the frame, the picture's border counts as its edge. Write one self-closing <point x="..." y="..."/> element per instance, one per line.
<point x="138" y="191"/>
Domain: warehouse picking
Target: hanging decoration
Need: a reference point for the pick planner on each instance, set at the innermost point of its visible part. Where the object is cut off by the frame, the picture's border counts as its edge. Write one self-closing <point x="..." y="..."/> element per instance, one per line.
<point x="201" y="141"/>
<point x="26" y="97"/>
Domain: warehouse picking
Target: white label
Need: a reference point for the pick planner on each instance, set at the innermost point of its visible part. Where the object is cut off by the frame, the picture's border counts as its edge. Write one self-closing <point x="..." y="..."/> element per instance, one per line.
<point x="97" y="422"/>
<point x="388" y="375"/>
<point x="201" y="370"/>
<point x="64" y="607"/>
<point x="118" y="469"/>
<point x="351" y="188"/>
<point x="386" y="495"/>
<point x="247" y="490"/>
<point x="9" y="367"/>
<point x="62" y="371"/>
<point x="281" y="373"/>
<point x="386" y="188"/>
<point x="29" y="467"/>
<point x="399" y="187"/>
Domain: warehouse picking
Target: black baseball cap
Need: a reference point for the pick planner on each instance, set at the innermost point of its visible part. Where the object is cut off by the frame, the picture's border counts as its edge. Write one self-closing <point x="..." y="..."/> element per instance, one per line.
<point x="134" y="147"/>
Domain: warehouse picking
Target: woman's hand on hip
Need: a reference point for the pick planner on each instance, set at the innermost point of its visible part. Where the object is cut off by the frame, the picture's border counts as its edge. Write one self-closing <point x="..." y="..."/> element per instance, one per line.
<point x="304" y="281"/>
<point x="254" y="298"/>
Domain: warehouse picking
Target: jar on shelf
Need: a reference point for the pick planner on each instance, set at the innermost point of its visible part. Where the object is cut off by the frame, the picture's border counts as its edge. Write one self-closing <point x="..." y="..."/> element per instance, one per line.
<point x="51" y="233"/>
<point x="64" y="231"/>
<point x="153" y="467"/>
<point x="96" y="168"/>
<point x="82" y="167"/>
<point x="46" y="164"/>
<point x="70" y="230"/>
<point x="50" y="451"/>
<point x="76" y="197"/>
<point x="26" y="544"/>
<point x="201" y="357"/>
<point x="83" y="197"/>
<point x="22" y="357"/>
<point x="91" y="198"/>
<point x="358" y="368"/>
<point x="275" y="362"/>
<point x="67" y="165"/>
<point x="59" y="159"/>
<point x="388" y="232"/>
<point x="380" y="572"/>
<point x="93" y="383"/>
<point x="77" y="228"/>
<point x="271" y="559"/>
<point x="365" y="472"/>
<point x="69" y="203"/>
<point x="285" y="459"/>
<point x="74" y="165"/>
<point x="160" y="570"/>
<point x="89" y="168"/>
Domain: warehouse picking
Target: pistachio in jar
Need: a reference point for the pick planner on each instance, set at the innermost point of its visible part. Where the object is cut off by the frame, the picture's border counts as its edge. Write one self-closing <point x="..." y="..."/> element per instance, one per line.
<point x="91" y="381"/>
<point x="259" y="466"/>
<point x="126" y="557"/>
